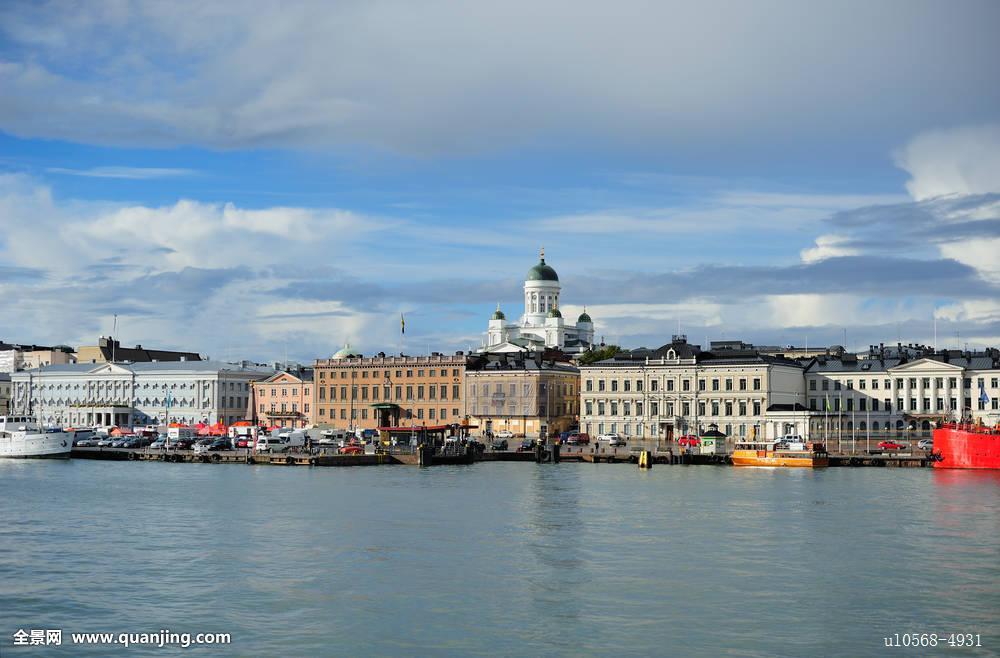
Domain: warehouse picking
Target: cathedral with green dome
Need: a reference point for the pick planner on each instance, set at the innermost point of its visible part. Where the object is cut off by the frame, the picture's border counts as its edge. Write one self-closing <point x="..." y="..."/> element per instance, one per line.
<point x="542" y="324"/>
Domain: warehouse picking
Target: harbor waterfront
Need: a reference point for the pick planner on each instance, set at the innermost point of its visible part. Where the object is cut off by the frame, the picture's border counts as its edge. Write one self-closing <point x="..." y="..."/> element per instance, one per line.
<point x="500" y="558"/>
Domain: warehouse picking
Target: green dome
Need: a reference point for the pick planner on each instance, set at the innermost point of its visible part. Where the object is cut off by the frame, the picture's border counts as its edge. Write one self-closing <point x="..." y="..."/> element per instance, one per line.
<point x="554" y="313"/>
<point x="346" y="352"/>
<point x="498" y="314"/>
<point x="584" y="317"/>
<point x="542" y="272"/>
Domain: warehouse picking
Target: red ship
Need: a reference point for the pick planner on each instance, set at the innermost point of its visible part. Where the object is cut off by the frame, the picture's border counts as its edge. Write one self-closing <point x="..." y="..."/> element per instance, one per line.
<point x="967" y="446"/>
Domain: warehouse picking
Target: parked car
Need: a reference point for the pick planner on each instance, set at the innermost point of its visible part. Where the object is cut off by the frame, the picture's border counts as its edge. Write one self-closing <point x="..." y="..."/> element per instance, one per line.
<point x="526" y="446"/>
<point x="105" y="442"/>
<point x="180" y="444"/>
<point x="219" y="445"/>
<point x="578" y="439"/>
<point x="158" y="444"/>
<point x="120" y="442"/>
<point x="504" y="434"/>
<point x="689" y="441"/>
<point x="925" y="444"/>
<point x="613" y="438"/>
<point x="202" y="446"/>
<point x="500" y="444"/>
<point x="891" y="445"/>
<point x="86" y="443"/>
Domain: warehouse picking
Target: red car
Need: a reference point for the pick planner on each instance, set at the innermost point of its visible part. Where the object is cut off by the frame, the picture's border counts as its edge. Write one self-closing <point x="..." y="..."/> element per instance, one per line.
<point x="578" y="439"/>
<point x="689" y="441"/>
<point x="891" y="445"/>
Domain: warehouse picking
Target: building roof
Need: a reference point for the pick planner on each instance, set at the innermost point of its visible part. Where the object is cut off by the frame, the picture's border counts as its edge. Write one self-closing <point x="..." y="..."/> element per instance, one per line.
<point x="584" y="317"/>
<point x="520" y="362"/>
<point x="498" y="314"/>
<point x="111" y="349"/>
<point x="346" y="352"/>
<point x="882" y="359"/>
<point x="151" y="367"/>
<point x="554" y="313"/>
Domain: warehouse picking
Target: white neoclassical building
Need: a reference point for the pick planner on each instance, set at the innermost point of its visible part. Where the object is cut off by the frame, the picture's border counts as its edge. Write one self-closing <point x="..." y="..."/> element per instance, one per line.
<point x="542" y="324"/>
<point x="128" y="394"/>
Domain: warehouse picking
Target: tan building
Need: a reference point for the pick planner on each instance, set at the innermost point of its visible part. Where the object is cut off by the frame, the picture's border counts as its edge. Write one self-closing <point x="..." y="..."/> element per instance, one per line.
<point x="525" y="394"/>
<point x="26" y="357"/>
<point x="110" y="350"/>
<point x="284" y="399"/>
<point x="352" y="391"/>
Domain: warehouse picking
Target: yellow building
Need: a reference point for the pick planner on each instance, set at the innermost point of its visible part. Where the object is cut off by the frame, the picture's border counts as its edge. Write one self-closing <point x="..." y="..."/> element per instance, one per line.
<point x="523" y="393"/>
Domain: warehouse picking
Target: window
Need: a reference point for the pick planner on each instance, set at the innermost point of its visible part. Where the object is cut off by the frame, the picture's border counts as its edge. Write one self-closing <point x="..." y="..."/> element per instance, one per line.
<point x="826" y="385"/>
<point x="638" y="408"/>
<point x="715" y="384"/>
<point x="409" y="392"/>
<point x="756" y="407"/>
<point x="875" y="404"/>
<point x="685" y="408"/>
<point x="654" y="408"/>
<point x="729" y="408"/>
<point x="454" y="392"/>
<point x="614" y="408"/>
<point x="589" y="385"/>
<point x="715" y="408"/>
<point x="756" y="383"/>
<point x="420" y="392"/>
<point x="743" y="407"/>
<point x="701" y="384"/>
<point x="638" y="385"/>
<point x="861" y="384"/>
<point x="874" y="383"/>
<point x="729" y="384"/>
<point x="701" y="408"/>
<point x="863" y="404"/>
<point x="627" y="385"/>
<point x="836" y="385"/>
<point x="600" y="385"/>
<point x="850" y="384"/>
<point x="743" y="384"/>
<point x="913" y="382"/>
<point x="590" y="408"/>
<point x="685" y="385"/>
<point x="626" y="409"/>
<point x="812" y="404"/>
<point x="600" y="408"/>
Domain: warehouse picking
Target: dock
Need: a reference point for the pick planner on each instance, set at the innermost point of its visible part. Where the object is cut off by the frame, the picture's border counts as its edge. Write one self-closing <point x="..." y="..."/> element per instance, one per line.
<point x="588" y="454"/>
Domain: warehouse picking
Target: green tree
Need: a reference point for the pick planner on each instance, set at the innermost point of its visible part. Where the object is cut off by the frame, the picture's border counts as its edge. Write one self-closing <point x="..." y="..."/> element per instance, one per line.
<point x="593" y="356"/>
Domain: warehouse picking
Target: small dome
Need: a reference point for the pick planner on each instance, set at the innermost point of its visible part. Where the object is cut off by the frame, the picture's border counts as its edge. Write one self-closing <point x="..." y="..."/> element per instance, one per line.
<point x="554" y="313"/>
<point x="584" y="317"/>
<point x="346" y="352"/>
<point x="542" y="272"/>
<point x="498" y="314"/>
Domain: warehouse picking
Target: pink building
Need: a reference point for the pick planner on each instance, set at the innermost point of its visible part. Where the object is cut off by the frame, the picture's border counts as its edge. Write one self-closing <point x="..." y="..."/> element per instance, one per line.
<point x="284" y="399"/>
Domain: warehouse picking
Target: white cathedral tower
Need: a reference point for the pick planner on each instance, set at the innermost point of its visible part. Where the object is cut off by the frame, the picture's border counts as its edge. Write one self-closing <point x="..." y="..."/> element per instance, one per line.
<point x="541" y="324"/>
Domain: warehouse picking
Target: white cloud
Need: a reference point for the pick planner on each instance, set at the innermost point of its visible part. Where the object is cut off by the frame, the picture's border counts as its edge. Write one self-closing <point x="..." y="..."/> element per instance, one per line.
<point x="131" y="173"/>
<point x="964" y="160"/>
<point x="438" y="76"/>
<point x="829" y="246"/>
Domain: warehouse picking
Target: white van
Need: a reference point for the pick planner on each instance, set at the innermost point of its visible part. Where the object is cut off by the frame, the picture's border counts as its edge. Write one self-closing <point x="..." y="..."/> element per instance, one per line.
<point x="174" y="433"/>
<point x="282" y="442"/>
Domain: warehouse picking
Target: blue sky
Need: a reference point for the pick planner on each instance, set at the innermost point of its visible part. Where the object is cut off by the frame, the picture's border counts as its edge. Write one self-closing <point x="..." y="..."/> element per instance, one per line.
<point x="251" y="184"/>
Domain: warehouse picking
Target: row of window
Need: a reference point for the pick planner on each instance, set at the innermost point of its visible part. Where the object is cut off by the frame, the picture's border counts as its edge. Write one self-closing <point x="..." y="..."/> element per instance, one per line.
<point x="284" y="391"/>
<point x="717" y="384"/>
<point x="914" y="404"/>
<point x="432" y="414"/>
<point x="423" y="392"/>
<point x="284" y="407"/>
<point x="717" y="408"/>
<point x="887" y="383"/>
<point x="543" y="387"/>
<point x="398" y="374"/>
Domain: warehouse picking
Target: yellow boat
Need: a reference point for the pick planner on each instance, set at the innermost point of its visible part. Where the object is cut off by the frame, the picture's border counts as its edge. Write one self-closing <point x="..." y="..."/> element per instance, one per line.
<point x="771" y="453"/>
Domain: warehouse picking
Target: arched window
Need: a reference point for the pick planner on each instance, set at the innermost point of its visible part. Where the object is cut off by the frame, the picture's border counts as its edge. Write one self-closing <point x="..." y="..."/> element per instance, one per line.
<point x="875" y="426"/>
<point x="899" y="424"/>
<point x="850" y="425"/>
<point x="862" y="426"/>
<point x="926" y="425"/>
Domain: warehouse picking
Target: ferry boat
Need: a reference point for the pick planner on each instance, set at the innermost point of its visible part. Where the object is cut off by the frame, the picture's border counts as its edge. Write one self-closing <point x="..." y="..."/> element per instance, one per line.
<point x="967" y="446"/>
<point x="21" y="437"/>
<point x="776" y="453"/>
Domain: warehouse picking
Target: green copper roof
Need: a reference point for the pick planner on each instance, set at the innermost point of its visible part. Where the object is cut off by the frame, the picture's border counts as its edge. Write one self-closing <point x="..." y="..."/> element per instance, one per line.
<point x="542" y="272"/>
<point x="584" y="317"/>
<point x="554" y="313"/>
<point x="498" y="314"/>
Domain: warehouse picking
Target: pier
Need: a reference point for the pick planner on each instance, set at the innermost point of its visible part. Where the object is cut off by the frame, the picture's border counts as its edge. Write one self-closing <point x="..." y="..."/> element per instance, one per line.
<point x="588" y="454"/>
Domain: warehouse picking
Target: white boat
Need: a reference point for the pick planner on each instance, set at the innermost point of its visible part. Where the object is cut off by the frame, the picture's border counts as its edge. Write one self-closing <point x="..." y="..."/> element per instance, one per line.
<point x="23" y="438"/>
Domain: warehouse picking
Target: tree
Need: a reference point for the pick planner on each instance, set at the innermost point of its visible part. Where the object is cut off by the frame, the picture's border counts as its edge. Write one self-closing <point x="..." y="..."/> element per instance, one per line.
<point x="601" y="353"/>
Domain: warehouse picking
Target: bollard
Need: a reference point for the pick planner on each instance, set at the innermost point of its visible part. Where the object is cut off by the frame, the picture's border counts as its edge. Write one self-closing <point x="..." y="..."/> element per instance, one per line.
<point x="646" y="459"/>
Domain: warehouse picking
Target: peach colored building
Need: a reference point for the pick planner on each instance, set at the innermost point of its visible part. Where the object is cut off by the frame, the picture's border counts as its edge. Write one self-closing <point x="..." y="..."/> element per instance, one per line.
<point x="284" y="399"/>
<point x="356" y="392"/>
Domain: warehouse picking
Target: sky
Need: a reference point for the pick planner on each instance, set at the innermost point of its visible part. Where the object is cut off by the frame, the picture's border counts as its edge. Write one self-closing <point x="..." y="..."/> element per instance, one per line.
<point x="271" y="180"/>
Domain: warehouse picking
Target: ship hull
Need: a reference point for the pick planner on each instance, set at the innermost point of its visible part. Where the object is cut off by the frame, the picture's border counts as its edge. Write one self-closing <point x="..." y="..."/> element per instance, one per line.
<point x="30" y="445"/>
<point x="755" y="458"/>
<point x="966" y="448"/>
